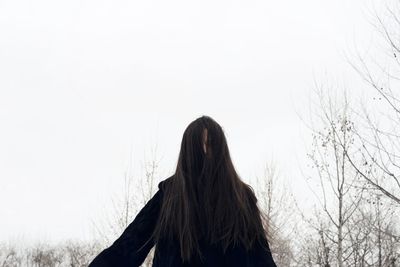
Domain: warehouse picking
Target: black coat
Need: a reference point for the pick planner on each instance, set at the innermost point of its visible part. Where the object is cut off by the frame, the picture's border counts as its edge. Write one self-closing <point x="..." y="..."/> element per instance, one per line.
<point x="123" y="252"/>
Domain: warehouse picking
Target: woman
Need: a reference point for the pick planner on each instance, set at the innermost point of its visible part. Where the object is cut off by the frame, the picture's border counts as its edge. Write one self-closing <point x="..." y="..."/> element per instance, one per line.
<point x="203" y="215"/>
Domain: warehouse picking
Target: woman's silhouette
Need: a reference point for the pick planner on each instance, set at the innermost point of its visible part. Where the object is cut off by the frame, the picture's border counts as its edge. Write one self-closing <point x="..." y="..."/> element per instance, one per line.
<point x="203" y="215"/>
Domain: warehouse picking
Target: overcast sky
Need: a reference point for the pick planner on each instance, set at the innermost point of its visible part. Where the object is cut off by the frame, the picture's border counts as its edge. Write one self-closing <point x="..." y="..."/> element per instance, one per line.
<point x="84" y="82"/>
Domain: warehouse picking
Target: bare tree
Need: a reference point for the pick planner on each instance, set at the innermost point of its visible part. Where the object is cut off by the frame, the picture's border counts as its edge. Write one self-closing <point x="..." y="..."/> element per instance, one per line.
<point x="148" y="187"/>
<point x="381" y="145"/>
<point x="336" y="186"/>
<point x="314" y="248"/>
<point x="63" y="254"/>
<point x="9" y="256"/>
<point x="136" y="193"/>
<point x="43" y="255"/>
<point x="373" y="234"/>
<point x="276" y="205"/>
<point x="79" y="254"/>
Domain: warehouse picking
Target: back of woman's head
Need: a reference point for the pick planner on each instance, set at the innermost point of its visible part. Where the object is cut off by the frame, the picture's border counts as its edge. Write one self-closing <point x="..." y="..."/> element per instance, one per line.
<point x="205" y="200"/>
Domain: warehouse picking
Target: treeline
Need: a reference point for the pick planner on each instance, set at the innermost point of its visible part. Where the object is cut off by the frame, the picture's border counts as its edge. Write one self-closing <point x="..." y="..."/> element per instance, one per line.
<point x="72" y="254"/>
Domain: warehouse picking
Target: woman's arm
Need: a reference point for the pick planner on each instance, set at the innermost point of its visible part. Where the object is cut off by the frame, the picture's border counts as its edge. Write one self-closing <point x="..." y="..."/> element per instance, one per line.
<point x="266" y="248"/>
<point x="127" y="250"/>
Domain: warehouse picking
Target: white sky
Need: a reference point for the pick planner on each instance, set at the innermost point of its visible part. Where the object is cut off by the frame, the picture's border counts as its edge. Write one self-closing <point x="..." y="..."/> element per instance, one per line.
<point x="81" y="82"/>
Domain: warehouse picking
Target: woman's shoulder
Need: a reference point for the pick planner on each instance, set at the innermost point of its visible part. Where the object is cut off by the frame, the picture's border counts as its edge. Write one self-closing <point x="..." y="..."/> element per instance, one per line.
<point x="250" y="193"/>
<point x="164" y="183"/>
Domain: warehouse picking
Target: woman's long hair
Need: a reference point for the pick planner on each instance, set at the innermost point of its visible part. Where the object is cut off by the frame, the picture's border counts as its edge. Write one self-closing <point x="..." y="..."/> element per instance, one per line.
<point x="205" y="200"/>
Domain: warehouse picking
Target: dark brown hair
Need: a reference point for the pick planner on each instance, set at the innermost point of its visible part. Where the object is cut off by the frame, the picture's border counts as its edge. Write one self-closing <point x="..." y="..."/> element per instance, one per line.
<point x="205" y="198"/>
